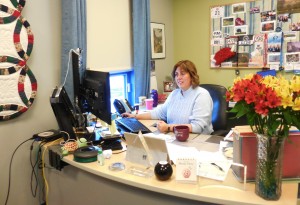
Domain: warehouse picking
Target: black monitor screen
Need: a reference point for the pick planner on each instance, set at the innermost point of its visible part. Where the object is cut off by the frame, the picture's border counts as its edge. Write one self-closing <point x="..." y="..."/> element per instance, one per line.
<point x="64" y="111"/>
<point x="75" y="54"/>
<point x="96" y="91"/>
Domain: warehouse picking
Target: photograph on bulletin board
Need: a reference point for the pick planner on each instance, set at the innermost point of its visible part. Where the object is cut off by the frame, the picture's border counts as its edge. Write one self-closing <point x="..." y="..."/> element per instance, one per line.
<point x="272" y="25"/>
<point x="288" y="6"/>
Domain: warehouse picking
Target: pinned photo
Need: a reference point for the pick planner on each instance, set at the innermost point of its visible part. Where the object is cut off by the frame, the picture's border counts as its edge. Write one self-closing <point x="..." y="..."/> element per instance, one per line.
<point x="268" y="16"/>
<point x="295" y="26"/>
<point x="228" y="21"/>
<point x="284" y="17"/>
<point x="239" y="22"/>
<point x="293" y="47"/>
<point x="274" y="58"/>
<point x="274" y="41"/>
<point x="254" y="10"/>
<point x="241" y="30"/>
<point x="268" y="26"/>
<point x="292" y="57"/>
<point x="239" y="8"/>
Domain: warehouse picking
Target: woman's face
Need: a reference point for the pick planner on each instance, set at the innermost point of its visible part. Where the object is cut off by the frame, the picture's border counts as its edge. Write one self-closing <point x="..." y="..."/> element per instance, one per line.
<point x="183" y="79"/>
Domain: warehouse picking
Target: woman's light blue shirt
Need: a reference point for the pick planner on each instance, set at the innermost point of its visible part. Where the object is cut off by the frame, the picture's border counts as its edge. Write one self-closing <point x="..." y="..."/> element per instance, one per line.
<point x="193" y="106"/>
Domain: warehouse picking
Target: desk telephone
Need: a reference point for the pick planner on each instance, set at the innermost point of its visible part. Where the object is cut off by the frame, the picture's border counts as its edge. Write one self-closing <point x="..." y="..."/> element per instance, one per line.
<point x="122" y="105"/>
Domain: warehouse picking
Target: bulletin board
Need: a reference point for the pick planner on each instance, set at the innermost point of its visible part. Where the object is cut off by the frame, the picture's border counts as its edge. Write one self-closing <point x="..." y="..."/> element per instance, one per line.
<point x="262" y="34"/>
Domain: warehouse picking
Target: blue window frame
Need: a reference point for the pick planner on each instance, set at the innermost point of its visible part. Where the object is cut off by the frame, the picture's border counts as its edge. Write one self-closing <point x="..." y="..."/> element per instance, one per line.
<point x="121" y="87"/>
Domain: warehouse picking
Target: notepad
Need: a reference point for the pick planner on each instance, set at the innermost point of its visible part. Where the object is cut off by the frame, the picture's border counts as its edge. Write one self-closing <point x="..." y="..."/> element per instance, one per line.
<point x="217" y="170"/>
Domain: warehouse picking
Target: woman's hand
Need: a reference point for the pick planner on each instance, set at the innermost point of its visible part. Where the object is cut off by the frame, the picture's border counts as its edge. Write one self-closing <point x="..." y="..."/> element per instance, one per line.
<point x="128" y="115"/>
<point x="162" y="126"/>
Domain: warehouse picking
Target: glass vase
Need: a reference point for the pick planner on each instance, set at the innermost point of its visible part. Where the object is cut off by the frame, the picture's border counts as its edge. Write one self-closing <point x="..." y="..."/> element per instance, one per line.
<point x="269" y="166"/>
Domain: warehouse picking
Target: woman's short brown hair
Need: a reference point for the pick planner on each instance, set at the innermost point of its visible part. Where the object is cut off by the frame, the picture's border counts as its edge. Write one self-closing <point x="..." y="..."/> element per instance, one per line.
<point x="189" y="67"/>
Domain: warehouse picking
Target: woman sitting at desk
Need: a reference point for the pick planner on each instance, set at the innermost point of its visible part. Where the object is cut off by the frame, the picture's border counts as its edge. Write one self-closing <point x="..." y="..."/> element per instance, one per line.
<point x="188" y="104"/>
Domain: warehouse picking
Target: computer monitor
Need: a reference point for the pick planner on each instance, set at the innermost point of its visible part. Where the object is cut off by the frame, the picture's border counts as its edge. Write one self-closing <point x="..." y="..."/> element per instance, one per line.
<point x="65" y="113"/>
<point x="95" y="91"/>
<point x="75" y="56"/>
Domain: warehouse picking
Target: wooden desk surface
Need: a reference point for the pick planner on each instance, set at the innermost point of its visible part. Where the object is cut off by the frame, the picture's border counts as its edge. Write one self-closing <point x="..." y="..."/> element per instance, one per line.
<point x="205" y="190"/>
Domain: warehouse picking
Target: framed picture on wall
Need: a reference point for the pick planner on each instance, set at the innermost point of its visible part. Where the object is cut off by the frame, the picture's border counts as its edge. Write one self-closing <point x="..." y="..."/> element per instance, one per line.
<point x="158" y="41"/>
<point x="168" y="86"/>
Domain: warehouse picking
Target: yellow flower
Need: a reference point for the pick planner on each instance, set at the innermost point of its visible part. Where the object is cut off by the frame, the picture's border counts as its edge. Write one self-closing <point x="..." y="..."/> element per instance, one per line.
<point x="237" y="80"/>
<point x="249" y="76"/>
<point x="287" y="100"/>
<point x="295" y="83"/>
<point x="296" y="106"/>
<point x="270" y="81"/>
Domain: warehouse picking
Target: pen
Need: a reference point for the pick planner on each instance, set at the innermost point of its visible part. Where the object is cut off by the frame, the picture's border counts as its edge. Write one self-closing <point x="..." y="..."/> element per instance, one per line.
<point x="220" y="168"/>
<point x="196" y="136"/>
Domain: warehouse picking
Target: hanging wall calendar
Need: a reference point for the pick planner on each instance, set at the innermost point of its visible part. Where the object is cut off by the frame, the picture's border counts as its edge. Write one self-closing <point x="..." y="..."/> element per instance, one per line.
<point x="256" y="34"/>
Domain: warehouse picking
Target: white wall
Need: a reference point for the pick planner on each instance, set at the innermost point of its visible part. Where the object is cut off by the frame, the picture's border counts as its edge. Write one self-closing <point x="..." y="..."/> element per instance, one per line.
<point x="45" y="20"/>
<point x="109" y="42"/>
<point x="109" y="35"/>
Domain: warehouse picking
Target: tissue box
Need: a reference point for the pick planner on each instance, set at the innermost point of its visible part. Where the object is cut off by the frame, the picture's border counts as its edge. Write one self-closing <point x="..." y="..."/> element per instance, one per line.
<point x="245" y="149"/>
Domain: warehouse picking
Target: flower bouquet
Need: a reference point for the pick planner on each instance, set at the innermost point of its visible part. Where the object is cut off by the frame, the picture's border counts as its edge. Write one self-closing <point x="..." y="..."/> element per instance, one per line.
<point x="272" y="106"/>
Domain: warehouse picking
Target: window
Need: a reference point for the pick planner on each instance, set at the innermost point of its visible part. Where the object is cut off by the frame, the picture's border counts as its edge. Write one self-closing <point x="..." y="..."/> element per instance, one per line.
<point x="120" y="87"/>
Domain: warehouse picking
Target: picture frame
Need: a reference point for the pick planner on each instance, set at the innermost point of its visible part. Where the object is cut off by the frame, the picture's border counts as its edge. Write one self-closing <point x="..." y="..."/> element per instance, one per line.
<point x="158" y="41"/>
<point x="274" y="58"/>
<point x="268" y="26"/>
<point x="292" y="57"/>
<point x="168" y="86"/>
<point x="238" y="8"/>
<point x="293" y="47"/>
<point x="228" y="21"/>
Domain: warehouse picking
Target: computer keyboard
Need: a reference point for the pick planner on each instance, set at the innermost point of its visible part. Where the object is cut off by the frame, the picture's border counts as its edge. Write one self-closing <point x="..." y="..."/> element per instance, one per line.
<point x="131" y="125"/>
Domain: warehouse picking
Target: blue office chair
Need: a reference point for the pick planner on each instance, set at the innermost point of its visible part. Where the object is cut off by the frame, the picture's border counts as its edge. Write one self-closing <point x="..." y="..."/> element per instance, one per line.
<point x="219" y="113"/>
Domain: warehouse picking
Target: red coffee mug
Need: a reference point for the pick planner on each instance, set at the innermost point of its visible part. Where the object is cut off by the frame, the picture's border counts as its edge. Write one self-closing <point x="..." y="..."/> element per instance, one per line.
<point x="181" y="132"/>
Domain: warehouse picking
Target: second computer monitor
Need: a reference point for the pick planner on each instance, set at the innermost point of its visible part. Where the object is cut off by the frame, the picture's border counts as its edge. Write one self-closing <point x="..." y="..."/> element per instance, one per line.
<point x="96" y="91"/>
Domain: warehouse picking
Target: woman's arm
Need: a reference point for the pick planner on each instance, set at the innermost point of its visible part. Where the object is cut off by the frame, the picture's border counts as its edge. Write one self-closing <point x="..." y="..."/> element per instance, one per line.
<point x="142" y="116"/>
<point x="164" y="127"/>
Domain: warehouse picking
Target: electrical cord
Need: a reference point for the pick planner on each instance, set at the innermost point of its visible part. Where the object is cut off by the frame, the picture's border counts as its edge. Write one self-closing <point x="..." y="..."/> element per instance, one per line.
<point x="9" y="173"/>
<point x="33" y="173"/>
<point x="38" y="167"/>
<point x="69" y="59"/>
<point x="43" y="170"/>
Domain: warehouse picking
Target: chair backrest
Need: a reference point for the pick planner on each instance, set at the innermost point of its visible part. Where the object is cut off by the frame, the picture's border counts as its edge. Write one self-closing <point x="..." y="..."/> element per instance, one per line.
<point x="219" y="114"/>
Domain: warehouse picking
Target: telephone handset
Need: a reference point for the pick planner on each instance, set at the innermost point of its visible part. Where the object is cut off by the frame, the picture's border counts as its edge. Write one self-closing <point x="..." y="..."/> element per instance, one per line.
<point x="122" y="105"/>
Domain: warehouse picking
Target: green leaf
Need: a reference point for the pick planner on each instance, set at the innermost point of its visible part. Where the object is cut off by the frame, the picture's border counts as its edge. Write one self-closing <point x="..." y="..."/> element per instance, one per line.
<point x="287" y="116"/>
<point x="296" y="121"/>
